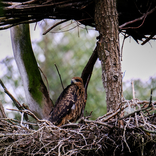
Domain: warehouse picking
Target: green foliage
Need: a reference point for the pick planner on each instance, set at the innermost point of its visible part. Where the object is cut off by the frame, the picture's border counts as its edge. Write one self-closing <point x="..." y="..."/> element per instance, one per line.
<point x="142" y="89"/>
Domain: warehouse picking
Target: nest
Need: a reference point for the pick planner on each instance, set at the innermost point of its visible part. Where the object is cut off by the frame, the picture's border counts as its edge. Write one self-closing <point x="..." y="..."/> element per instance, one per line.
<point x="110" y="135"/>
<point x="137" y="23"/>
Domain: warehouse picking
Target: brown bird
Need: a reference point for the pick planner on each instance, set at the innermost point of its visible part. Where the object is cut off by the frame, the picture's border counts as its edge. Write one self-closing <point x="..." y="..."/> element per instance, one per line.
<point x="70" y="105"/>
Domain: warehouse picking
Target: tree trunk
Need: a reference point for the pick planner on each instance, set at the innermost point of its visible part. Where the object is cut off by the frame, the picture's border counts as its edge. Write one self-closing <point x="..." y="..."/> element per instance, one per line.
<point x="36" y="92"/>
<point x="106" y="20"/>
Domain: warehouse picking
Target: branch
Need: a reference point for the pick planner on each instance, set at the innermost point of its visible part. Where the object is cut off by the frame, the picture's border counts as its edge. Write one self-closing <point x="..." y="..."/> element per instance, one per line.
<point x="37" y="95"/>
<point x="87" y="71"/>
<point x="55" y="25"/>
<point x="59" y="76"/>
<point x="2" y="112"/>
<point x="17" y="104"/>
<point x="136" y="20"/>
<point x="135" y="112"/>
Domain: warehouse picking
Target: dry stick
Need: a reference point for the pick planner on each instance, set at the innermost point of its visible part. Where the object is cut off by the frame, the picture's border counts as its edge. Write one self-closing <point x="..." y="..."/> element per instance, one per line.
<point x="125" y="139"/>
<point x="149" y="38"/>
<point x="18" y="105"/>
<point x="99" y="123"/>
<point x="113" y="114"/>
<point x="45" y="78"/>
<point x="150" y="103"/>
<point x="55" y="26"/>
<point x="26" y="111"/>
<point x="14" y="121"/>
<point x="101" y="117"/>
<point x="75" y="125"/>
<point x="149" y="131"/>
<point x="87" y="71"/>
<point x="10" y="3"/>
<point x="29" y="2"/>
<point x="2" y="112"/>
<point x="123" y="45"/>
<point x="133" y="113"/>
<point x="137" y="111"/>
<point x="14" y="24"/>
<point x="66" y="26"/>
<point x="66" y="30"/>
<point x="138" y="19"/>
<point x="133" y="91"/>
<point x="59" y="76"/>
<point x="136" y="120"/>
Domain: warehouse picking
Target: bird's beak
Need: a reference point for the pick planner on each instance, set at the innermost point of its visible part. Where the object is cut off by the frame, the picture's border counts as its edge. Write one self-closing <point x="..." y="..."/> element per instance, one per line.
<point x="73" y="81"/>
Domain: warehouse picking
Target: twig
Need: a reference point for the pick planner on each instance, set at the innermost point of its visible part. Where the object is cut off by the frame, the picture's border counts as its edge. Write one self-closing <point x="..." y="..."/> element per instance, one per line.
<point x="74" y="125"/>
<point x="13" y="121"/>
<point x="136" y="120"/>
<point x="114" y="113"/>
<point x="98" y="122"/>
<point x="133" y="113"/>
<point x="146" y="130"/>
<point x="2" y="112"/>
<point x="55" y="26"/>
<point x="138" y="19"/>
<point x="21" y="123"/>
<point x="125" y="139"/>
<point x="32" y="115"/>
<point x="18" y="105"/>
<point x="150" y="103"/>
<point x="123" y="45"/>
<point x="107" y="114"/>
<point x="29" y="2"/>
<point x="133" y="91"/>
<point x="45" y="78"/>
<point x="149" y="38"/>
<point x="59" y="76"/>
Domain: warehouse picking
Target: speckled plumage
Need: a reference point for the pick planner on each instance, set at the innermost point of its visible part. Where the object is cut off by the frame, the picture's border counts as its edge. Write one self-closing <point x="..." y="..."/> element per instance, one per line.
<point x="70" y="105"/>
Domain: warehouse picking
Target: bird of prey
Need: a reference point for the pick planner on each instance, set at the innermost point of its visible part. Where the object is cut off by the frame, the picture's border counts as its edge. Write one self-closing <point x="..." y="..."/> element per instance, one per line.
<point x="70" y="105"/>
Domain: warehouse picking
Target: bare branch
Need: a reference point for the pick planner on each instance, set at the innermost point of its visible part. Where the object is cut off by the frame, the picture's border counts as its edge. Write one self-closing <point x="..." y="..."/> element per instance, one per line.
<point x="59" y="76"/>
<point x="55" y="25"/>
<point x="17" y="104"/>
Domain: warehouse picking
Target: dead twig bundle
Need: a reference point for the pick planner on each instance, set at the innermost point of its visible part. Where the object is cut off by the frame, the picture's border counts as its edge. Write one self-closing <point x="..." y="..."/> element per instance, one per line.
<point x="104" y="136"/>
<point x="100" y="137"/>
<point x="15" y="13"/>
<point x="138" y="24"/>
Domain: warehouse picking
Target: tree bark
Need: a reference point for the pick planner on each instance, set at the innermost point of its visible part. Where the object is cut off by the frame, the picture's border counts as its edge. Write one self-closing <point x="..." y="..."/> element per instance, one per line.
<point x="106" y="20"/>
<point x="36" y="92"/>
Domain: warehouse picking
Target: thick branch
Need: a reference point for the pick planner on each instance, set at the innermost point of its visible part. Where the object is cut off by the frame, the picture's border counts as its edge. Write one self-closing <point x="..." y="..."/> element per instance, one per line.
<point x="87" y="71"/>
<point x="36" y="92"/>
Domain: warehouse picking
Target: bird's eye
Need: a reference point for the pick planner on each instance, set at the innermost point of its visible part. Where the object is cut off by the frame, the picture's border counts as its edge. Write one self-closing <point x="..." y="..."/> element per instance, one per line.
<point x="78" y="80"/>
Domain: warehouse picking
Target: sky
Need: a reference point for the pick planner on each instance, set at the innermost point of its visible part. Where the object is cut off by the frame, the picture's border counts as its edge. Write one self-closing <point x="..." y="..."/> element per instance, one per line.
<point x="138" y="61"/>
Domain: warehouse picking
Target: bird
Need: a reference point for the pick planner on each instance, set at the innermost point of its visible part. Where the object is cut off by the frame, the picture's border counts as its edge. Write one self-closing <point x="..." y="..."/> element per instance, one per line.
<point x="70" y="105"/>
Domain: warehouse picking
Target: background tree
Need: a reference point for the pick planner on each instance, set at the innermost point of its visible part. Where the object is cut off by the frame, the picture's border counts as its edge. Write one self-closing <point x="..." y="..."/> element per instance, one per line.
<point x="44" y="51"/>
<point x="36" y="92"/>
<point x="84" y="12"/>
<point x="73" y="50"/>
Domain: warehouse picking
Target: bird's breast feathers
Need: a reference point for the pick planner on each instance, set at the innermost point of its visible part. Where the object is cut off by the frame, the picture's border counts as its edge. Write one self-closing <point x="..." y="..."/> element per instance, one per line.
<point x="69" y="106"/>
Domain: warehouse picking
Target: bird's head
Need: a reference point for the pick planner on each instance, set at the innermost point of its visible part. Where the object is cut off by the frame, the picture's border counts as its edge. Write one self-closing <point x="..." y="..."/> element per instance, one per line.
<point x="77" y="81"/>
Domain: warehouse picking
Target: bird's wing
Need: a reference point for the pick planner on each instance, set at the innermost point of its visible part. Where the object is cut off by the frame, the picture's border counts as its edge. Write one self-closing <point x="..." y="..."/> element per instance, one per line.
<point x="64" y="104"/>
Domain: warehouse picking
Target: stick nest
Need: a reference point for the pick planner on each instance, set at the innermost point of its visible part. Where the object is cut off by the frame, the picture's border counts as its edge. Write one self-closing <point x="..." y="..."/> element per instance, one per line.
<point x="110" y="135"/>
<point x="137" y="23"/>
